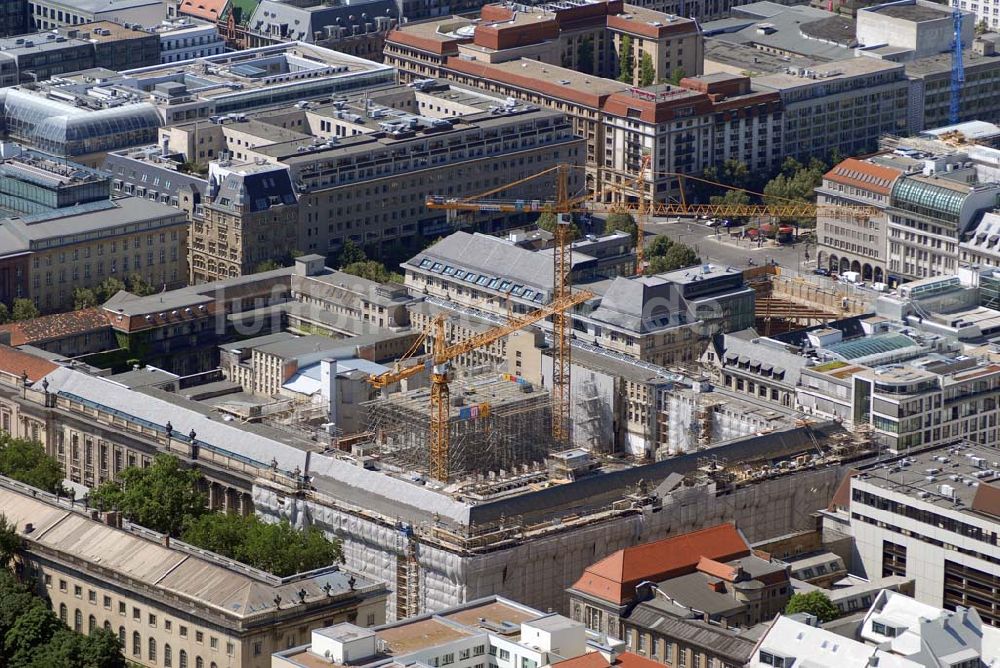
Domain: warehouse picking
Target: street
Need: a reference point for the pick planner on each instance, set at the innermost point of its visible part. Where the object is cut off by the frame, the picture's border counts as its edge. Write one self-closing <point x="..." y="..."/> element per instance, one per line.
<point x="715" y="246"/>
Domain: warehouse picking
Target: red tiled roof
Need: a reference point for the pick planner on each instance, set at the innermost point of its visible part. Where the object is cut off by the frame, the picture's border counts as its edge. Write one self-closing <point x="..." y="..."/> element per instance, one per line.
<point x="209" y="10"/>
<point x="48" y="327"/>
<point x="614" y="578"/>
<point x="15" y="362"/>
<point x="717" y="569"/>
<point x="864" y="175"/>
<point x="597" y="660"/>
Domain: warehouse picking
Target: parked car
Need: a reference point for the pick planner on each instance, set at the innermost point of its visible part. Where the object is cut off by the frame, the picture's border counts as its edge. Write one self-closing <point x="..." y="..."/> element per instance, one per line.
<point x="820" y="271"/>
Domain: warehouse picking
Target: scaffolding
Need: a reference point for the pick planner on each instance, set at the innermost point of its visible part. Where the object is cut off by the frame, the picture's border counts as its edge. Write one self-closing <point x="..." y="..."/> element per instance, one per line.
<point x="497" y="423"/>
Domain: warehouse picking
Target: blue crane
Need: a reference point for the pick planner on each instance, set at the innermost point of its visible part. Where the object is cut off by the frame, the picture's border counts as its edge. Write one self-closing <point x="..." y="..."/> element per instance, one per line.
<point x="957" y="66"/>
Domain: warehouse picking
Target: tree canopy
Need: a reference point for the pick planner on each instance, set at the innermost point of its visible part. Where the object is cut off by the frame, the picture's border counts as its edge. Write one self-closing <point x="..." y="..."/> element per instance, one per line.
<point x="647" y="71"/>
<point x="10" y="541"/>
<point x="32" y="636"/>
<point x="27" y="462"/>
<point x="24" y="309"/>
<point x="160" y="497"/>
<point x="664" y="254"/>
<point x="279" y="548"/>
<point x="373" y="271"/>
<point x="626" y="72"/>
<point x="796" y="182"/>
<point x="815" y="603"/>
<point x="621" y="222"/>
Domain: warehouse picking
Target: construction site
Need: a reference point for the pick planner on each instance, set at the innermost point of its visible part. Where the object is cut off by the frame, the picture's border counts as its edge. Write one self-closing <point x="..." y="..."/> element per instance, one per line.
<point x="496" y="423"/>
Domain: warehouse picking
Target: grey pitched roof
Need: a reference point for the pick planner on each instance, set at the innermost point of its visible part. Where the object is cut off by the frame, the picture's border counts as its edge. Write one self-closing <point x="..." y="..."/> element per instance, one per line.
<point x="156" y="411"/>
<point x="487" y="256"/>
<point x="700" y="634"/>
<point x="739" y="344"/>
<point x="641" y="304"/>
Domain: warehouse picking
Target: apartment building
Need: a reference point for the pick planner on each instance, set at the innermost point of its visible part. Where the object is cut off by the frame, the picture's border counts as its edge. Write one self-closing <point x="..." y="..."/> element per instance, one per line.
<point x="178" y="606"/>
<point x="843" y="106"/>
<point x="928" y="514"/>
<point x="929" y="213"/>
<point x="855" y="243"/>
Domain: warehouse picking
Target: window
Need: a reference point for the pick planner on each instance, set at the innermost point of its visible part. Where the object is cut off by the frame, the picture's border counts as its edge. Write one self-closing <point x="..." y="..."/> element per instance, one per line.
<point x="62" y="585"/>
<point x="448" y="659"/>
<point x="168" y="656"/>
<point x="107" y="602"/>
<point x="464" y="654"/>
<point x="78" y="591"/>
<point x="370" y="619"/>
<point x="63" y="614"/>
<point x="183" y="631"/>
<point x="479" y="650"/>
<point x="92" y="596"/>
<point x="151" y="652"/>
<point x="182" y="657"/>
<point x="136" y="644"/>
<point x="136" y="614"/>
<point x="121" y="607"/>
<point x="504" y="655"/>
<point x="152" y="619"/>
<point x="230" y="648"/>
<point x="213" y="642"/>
<point x="198" y="662"/>
<point x="121" y="636"/>
<point x="91" y="624"/>
<point x="199" y="636"/>
<point x="167" y="625"/>
<point x="78" y="621"/>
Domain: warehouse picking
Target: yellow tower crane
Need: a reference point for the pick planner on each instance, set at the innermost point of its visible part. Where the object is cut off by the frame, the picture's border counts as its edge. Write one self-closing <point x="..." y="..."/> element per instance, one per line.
<point x="442" y="355"/>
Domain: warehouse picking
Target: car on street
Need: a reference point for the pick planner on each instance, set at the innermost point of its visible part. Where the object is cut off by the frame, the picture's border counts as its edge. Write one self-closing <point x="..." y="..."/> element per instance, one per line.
<point x="820" y="271"/>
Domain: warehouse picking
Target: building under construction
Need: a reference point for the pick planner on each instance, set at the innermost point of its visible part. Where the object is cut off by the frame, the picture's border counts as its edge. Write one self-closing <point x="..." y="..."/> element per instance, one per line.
<point x="498" y="424"/>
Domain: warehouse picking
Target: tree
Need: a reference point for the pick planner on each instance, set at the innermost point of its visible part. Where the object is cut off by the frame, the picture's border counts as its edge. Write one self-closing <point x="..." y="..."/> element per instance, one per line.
<point x="32" y="630"/>
<point x="659" y="246"/>
<point x="24" y="309"/>
<point x="10" y="541"/>
<point x="621" y="222"/>
<point x="160" y="497"/>
<point x="15" y="600"/>
<point x="373" y="271"/>
<point x="277" y="548"/>
<point x="4" y="313"/>
<point x="626" y="61"/>
<point x="108" y="288"/>
<point x="26" y="461"/>
<point x="677" y="256"/>
<point x="815" y="603"/>
<point x="84" y="298"/>
<point x="676" y="75"/>
<point x="350" y="253"/>
<point x="103" y="650"/>
<point x="796" y="182"/>
<point x="139" y="286"/>
<point x="585" y="56"/>
<point x="647" y="71"/>
<point x="266" y="265"/>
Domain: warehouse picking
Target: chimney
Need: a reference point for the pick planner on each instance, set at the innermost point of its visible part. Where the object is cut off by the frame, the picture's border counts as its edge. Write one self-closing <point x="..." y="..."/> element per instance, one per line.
<point x="166" y="540"/>
<point x="113" y="518"/>
<point x="328" y="387"/>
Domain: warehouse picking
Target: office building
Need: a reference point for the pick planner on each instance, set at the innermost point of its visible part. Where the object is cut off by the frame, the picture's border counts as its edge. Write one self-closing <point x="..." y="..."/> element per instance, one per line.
<point x="116" y="47"/>
<point x="843" y="106"/>
<point x="168" y="603"/>
<point x="39" y="56"/>
<point x="855" y="243"/>
<point x="929" y="515"/>
<point x="48" y="14"/>
<point x="248" y="216"/>
<point x="187" y="38"/>
<point x="535" y="56"/>
<point x="929" y="213"/>
<point x="61" y="219"/>
<point x="911" y="30"/>
<point x="364" y="166"/>
<point x="15" y="18"/>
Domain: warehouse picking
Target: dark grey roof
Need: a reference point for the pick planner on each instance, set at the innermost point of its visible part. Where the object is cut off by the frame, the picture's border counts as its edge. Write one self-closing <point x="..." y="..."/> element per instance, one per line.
<point x="486" y="256"/>
<point x="255" y="188"/>
<point x="692" y="591"/>
<point x="640" y="304"/>
<point x="131" y="165"/>
<point x="304" y="20"/>
<point x="718" y="640"/>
